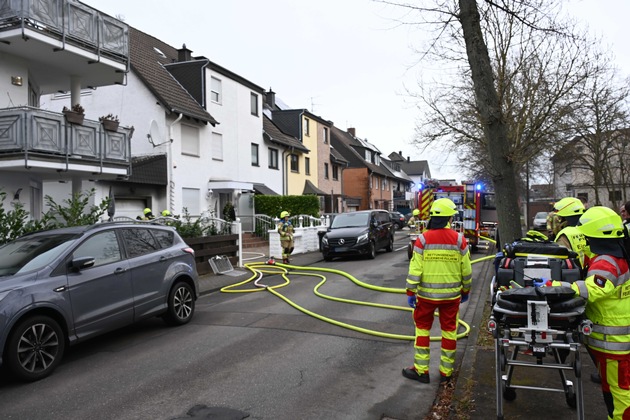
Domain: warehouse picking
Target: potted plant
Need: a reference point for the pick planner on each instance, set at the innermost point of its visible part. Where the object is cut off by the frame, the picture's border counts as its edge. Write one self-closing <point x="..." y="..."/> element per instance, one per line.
<point x="74" y="115"/>
<point x="110" y="122"/>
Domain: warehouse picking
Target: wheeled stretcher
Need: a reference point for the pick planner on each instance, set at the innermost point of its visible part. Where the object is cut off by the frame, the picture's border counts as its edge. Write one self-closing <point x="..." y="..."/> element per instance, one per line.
<point x="537" y="327"/>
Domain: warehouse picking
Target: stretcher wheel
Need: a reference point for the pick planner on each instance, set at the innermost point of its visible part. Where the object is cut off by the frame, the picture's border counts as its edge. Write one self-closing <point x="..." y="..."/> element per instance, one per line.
<point x="571" y="398"/>
<point x="509" y="394"/>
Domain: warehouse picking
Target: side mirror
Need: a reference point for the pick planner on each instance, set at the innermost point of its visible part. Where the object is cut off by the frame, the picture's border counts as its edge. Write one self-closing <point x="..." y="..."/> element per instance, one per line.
<point x="79" y="264"/>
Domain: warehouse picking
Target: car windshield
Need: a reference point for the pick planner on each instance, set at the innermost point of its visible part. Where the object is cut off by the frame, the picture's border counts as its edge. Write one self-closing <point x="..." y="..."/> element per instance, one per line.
<point x="32" y="252"/>
<point x="541" y="215"/>
<point x="350" y="220"/>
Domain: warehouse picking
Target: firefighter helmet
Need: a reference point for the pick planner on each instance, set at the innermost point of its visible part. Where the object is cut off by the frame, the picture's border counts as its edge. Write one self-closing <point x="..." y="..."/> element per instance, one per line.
<point x="147" y="211"/>
<point x="416" y="212"/>
<point x="166" y="213"/>
<point x="284" y="214"/>
<point x="569" y="206"/>
<point x="601" y="222"/>
<point x="443" y="207"/>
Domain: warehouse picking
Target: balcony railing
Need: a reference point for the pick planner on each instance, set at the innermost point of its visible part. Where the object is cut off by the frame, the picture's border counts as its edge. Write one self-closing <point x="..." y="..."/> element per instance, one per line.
<point x="36" y="135"/>
<point x="70" y="22"/>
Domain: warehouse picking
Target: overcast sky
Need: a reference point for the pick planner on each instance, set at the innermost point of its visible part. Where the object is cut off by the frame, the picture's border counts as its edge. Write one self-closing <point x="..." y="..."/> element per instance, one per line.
<point x="345" y="60"/>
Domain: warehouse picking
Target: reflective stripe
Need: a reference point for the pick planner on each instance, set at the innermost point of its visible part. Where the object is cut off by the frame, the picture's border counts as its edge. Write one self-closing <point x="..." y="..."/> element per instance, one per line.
<point x="468" y="277"/>
<point x="609" y="260"/>
<point x="611" y="330"/>
<point x="418" y="250"/>
<point x="424" y="294"/>
<point x="413" y="278"/>
<point x="603" y="273"/>
<point x="582" y="288"/>
<point x="607" y="345"/>
<point x="440" y="285"/>
<point x="445" y="247"/>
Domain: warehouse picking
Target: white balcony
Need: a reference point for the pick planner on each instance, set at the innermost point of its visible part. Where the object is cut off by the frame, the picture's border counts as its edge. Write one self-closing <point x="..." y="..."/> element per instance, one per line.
<point x="58" y="38"/>
<point x="43" y="142"/>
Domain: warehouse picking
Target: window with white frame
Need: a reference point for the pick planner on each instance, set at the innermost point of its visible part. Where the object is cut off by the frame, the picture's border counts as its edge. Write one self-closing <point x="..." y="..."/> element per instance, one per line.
<point x="254" y="103"/>
<point x="217" y="146"/>
<point x="215" y="90"/>
<point x="255" y="161"/>
<point x="307" y="166"/>
<point x="190" y="201"/>
<point x="190" y="140"/>
<point x="273" y="158"/>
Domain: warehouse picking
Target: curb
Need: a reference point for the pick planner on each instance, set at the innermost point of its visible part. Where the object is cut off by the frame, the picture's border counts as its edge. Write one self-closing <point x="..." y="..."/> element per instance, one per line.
<point x="468" y="359"/>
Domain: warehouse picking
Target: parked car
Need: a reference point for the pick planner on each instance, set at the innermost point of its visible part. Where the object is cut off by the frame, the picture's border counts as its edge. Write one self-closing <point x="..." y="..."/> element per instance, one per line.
<point x="540" y="221"/>
<point x="358" y="233"/>
<point x="398" y="219"/>
<point x="63" y="286"/>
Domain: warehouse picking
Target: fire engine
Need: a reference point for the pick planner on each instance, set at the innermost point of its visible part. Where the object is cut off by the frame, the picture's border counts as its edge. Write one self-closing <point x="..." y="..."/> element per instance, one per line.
<point x="476" y="205"/>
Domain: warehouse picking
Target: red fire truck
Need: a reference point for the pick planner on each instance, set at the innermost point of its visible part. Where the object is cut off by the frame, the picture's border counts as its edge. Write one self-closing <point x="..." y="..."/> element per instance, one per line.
<point x="476" y="205"/>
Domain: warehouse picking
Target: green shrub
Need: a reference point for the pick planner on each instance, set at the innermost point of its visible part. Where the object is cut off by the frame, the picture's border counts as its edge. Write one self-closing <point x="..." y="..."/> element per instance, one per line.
<point x="273" y="205"/>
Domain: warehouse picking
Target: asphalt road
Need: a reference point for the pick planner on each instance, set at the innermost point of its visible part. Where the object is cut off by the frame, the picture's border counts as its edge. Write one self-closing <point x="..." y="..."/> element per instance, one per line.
<point x="249" y="355"/>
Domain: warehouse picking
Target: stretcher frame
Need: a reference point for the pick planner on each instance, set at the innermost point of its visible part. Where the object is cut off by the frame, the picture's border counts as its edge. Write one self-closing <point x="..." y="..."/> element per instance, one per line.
<point x="542" y="333"/>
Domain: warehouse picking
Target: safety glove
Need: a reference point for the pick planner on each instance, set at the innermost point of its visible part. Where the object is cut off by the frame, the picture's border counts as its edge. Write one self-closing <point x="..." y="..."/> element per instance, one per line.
<point x="464" y="297"/>
<point x="411" y="300"/>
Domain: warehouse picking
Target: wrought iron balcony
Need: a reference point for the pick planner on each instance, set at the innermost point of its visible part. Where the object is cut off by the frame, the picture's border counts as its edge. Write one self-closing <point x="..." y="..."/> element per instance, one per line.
<point x="65" y="37"/>
<point x="44" y="141"/>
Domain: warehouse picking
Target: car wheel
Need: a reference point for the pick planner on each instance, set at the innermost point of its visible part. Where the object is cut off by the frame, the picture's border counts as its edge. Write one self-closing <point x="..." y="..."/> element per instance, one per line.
<point x="328" y="258"/>
<point x="396" y="227"/>
<point x="409" y="251"/>
<point x="371" y="251"/>
<point x="181" y="304"/>
<point x="35" y="348"/>
<point x="390" y="245"/>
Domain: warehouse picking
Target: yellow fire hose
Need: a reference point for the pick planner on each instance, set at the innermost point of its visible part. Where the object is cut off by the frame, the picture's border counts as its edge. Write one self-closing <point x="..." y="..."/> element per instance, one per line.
<point x="259" y="269"/>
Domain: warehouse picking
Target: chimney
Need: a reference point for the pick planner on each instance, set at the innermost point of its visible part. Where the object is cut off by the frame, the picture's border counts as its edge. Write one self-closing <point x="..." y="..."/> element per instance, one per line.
<point x="407" y="159"/>
<point x="352" y="131"/>
<point x="270" y="98"/>
<point x="400" y="153"/>
<point x="183" y="54"/>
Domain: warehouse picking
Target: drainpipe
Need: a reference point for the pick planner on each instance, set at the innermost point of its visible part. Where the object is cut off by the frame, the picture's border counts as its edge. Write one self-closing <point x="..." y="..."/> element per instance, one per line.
<point x="75" y="90"/>
<point x="285" y="171"/>
<point x="170" y="195"/>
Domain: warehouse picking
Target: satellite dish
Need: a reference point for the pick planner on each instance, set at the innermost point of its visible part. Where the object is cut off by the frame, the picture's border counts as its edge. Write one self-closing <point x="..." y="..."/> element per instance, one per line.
<point x="154" y="136"/>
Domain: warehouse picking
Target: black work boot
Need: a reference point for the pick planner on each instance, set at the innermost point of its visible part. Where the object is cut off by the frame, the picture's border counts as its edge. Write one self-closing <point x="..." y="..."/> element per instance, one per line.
<point x="412" y="373"/>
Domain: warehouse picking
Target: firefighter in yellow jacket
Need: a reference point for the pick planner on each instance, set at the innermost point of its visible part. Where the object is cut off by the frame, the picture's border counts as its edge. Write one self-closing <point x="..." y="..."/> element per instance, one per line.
<point x="606" y="289"/>
<point x="285" y="229"/>
<point x="568" y="212"/>
<point x="439" y="278"/>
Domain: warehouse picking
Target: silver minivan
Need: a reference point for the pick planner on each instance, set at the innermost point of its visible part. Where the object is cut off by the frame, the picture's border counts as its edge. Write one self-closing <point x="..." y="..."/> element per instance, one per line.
<point x="63" y="286"/>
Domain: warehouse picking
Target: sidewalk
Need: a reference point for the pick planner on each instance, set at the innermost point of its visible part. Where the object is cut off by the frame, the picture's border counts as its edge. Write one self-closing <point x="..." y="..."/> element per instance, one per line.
<point x="476" y="391"/>
<point x="211" y="282"/>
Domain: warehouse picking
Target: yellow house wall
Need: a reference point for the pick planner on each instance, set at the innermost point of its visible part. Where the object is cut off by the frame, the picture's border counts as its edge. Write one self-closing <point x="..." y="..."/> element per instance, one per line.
<point x="296" y="180"/>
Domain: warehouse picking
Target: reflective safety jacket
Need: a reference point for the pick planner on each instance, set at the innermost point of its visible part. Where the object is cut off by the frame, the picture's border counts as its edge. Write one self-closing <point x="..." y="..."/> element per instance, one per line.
<point x="285" y="229"/>
<point x="570" y="237"/>
<point x="440" y="268"/>
<point x="607" y="293"/>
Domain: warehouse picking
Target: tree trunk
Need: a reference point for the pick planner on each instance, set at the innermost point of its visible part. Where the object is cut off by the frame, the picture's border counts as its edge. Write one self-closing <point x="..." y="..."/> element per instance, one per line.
<point x="495" y="130"/>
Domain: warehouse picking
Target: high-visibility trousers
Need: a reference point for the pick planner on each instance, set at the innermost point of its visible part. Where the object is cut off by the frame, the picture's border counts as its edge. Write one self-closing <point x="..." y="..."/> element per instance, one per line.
<point x="423" y="317"/>
<point x="614" y="370"/>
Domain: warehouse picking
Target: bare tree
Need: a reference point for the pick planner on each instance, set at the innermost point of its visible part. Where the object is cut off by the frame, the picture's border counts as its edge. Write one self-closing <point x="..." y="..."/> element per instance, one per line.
<point x="601" y="146"/>
<point x="513" y="98"/>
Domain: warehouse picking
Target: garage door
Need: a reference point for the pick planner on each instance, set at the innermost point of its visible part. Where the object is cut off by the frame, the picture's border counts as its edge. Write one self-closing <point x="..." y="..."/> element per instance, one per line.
<point x="129" y="207"/>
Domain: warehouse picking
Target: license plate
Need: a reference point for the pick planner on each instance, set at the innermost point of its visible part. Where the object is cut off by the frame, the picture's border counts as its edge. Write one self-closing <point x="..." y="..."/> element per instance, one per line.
<point x="538" y="349"/>
<point x="340" y="249"/>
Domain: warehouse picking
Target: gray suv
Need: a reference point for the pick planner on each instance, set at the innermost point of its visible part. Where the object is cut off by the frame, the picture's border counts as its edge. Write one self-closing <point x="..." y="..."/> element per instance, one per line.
<point x="63" y="286"/>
